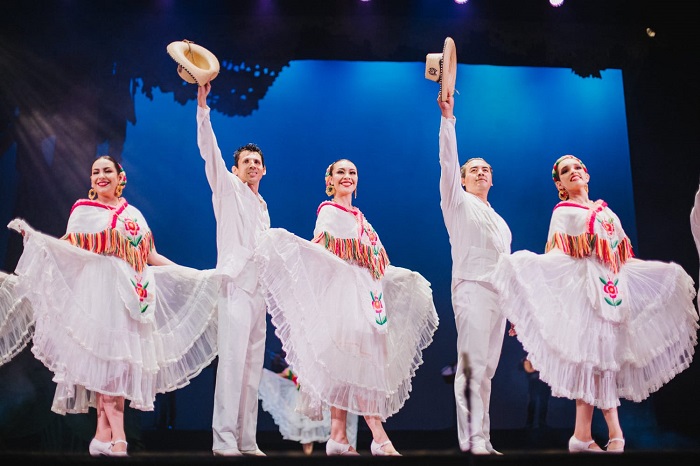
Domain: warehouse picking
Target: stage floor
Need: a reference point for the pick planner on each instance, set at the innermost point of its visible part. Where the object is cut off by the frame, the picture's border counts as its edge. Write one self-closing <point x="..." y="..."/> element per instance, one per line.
<point x="432" y="448"/>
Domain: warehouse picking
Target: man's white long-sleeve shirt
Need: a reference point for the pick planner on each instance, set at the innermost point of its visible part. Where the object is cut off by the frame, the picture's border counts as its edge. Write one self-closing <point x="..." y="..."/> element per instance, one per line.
<point x="477" y="233"/>
<point x="240" y="213"/>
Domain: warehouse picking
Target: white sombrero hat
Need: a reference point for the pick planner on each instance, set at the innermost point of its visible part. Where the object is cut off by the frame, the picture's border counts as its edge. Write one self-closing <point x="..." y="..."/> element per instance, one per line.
<point x="442" y="68"/>
<point x="195" y="64"/>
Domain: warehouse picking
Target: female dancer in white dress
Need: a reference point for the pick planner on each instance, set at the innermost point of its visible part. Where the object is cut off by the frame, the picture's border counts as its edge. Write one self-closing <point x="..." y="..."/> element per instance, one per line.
<point x="352" y="326"/>
<point x="278" y="392"/>
<point x="598" y="324"/>
<point x="109" y="326"/>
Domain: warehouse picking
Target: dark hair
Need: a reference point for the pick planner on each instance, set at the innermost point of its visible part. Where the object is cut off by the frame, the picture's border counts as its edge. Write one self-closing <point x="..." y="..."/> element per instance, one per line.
<point x="250" y="147"/>
<point x="463" y="168"/>
<point x="117" y="165"/>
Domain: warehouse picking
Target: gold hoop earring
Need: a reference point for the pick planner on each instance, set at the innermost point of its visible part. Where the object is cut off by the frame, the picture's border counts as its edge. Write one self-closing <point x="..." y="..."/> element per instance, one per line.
<point x="330" y="190"/>
<point x="118" y="190"/>
<point x="563" y="194"/>
<point x="92" y="194"/>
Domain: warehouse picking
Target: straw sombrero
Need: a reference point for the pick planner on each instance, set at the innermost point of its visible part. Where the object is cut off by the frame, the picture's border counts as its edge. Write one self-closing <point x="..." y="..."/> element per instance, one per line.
<point x="195" y="64"/>
<point x="442" y="68"/>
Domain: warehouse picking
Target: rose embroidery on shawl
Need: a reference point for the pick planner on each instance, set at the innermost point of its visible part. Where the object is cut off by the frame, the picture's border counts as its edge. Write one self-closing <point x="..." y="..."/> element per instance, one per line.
<point x="608" y="225"/>
<point x="610" y="288"/>
<point x="132" y="229"/>
<point x="141" y="292"/>
<point x="371" y="234"/>
<point x="378" y="306"/>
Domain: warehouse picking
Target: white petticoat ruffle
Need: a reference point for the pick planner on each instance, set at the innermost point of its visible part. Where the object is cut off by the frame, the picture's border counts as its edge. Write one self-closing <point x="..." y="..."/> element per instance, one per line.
<point x="584" y="347"/>
<point x="316" y="305"/>
<point x="16" y="319"/>
<point x="279" y="398"/>
<point x="86" y="335"/>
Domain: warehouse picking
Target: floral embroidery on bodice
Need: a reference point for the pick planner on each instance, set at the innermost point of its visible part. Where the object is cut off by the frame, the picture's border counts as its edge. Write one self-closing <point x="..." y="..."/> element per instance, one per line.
<point x="365" y="249"/>
<point x="123" y="236"/>
<point x="582" y="231"/>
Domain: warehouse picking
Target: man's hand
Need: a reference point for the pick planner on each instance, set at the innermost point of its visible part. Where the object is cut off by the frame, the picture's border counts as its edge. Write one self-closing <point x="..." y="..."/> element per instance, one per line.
<point x="447" y="107"/>
<point x="202" y="93"/>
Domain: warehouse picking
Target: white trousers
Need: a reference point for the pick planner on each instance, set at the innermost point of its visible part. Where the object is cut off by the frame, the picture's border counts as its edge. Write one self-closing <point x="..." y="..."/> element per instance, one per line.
<point x="480" y="331"/>
<point x="241" y="339"/>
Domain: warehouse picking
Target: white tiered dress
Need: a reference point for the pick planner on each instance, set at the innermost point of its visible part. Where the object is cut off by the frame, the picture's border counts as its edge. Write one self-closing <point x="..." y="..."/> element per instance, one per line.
<point x="352" y="326"/>
<point x="279" y="395"/>
<point x="16" y="319"/>
<point x="106" y="321"/>
<point x="598" y="324"/>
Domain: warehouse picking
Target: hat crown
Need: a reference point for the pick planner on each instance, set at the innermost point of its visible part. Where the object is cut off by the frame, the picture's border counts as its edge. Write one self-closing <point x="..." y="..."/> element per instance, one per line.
<point x="196" y="65"/>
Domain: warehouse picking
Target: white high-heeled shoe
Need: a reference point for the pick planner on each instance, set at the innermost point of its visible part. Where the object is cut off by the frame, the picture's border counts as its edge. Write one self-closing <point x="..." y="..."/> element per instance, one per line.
<point x="579" y="446"/>
<point x="117" y="453"/>
<point x="615" y="439"/>
<point x="377" y="449"/>
<point x="334" y="448"/>
<point x="99" y="448"/>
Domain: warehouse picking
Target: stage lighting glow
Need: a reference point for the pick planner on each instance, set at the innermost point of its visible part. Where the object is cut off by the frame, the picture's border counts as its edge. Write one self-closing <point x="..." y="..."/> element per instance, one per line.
<point x="556" y="3"/>
<point x="461" y="2"/>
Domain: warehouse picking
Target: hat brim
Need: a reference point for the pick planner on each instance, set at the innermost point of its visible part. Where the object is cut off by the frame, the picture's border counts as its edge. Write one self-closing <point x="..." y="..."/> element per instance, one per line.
<point x="442" y="68"/>
<point x="196" y="65"/>
<point x="448" y="74"/>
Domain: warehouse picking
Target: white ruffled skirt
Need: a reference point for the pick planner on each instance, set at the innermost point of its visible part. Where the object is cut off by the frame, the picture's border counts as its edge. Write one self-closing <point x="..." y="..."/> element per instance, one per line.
<point x="279" y="398"/>
<point x="317" y="304"/>
<point x="16" y="319"/>
<point x="597" y="336"/>
<point x="93" y="332"/>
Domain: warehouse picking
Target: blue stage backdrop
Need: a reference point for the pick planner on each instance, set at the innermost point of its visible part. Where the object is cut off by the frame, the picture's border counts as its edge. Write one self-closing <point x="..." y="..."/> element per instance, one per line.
<point x="384" y="117"/>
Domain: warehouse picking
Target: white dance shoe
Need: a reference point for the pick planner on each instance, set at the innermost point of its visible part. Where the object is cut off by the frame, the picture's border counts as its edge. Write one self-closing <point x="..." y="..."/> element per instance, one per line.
<point x="229" y="452"/>
<point x="378" y="449"/>
<point x="98" y="448"/>
<point x="117" y="453"/>
<point x="579" y="446"/>
<point x="334" y="448"/>
<point x="618" y="450"/>
<point x="256" y="452"/>
<point x="479" y="450"/>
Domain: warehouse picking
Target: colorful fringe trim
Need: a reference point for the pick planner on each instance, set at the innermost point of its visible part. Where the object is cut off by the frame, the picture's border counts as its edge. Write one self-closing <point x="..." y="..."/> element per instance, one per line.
<point x="587" y="244"/>
<point x="373" y="258"/>
<point x="111" y="242"/>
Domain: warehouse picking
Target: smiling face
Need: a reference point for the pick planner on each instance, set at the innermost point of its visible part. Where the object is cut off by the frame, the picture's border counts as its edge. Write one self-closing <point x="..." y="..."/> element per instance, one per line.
<point x="572" y="175"/>
<point x="250" y="168"/>
<point x="343" y="177"/>
<point x="105" y="179"/>
<point x="477" y="177"/>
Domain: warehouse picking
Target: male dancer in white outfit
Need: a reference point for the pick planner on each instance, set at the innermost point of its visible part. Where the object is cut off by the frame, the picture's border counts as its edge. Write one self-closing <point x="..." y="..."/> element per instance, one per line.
<point x="478" y="235"/>
<point x="241" y="213"/>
